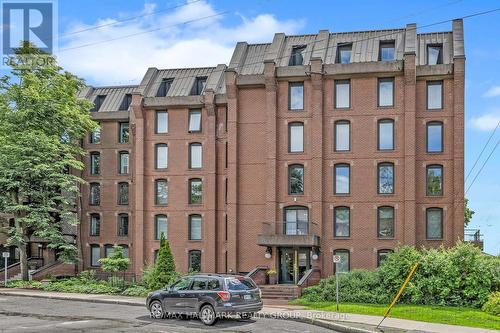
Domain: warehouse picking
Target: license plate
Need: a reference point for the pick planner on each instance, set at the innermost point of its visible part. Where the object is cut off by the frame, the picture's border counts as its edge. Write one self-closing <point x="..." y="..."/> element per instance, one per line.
<point x="247" y="297"/>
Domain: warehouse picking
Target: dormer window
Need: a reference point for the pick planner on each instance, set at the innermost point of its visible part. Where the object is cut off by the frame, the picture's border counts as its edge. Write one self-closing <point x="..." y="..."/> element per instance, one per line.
<point x="127" y="100"/>
<point x="164" y="87"/>
<point x="98" y="101"/>
<point x="434" y="54"/>
<point x="199" y="85"/>
<point x="386" y="50"/>
<point x="344" y="53"/>
<point x="297" y="56"/>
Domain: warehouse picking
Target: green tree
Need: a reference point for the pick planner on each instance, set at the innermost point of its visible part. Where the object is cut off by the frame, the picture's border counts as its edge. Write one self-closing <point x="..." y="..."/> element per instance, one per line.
<point x="41" y="125"/>
<point x="116" y="262"/>
<point x="163" y="272"/>
<point x="468" y="212"/>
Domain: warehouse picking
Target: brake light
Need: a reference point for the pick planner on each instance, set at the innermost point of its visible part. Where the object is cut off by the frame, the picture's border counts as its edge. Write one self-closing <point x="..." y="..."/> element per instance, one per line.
<point x="224" y="295"/>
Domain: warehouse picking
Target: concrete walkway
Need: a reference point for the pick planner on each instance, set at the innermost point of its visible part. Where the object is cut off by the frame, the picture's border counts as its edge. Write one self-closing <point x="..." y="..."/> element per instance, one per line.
<point x="344" y="322"/>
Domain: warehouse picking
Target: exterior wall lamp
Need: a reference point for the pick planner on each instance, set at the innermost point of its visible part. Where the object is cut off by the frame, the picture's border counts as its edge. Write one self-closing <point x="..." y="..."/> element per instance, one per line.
<point x="269" y="252"/>
<point x="315" y="253"/>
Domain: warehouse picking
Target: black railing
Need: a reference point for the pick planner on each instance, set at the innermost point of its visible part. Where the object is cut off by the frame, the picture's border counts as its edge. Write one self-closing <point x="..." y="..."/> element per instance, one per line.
<point x="287" y="228"/>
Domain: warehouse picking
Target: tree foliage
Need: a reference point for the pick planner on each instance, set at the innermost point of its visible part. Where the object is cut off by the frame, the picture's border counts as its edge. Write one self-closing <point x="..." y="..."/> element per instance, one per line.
<point x="41" y="125"/>
<point x="163" y="272"/>
<point x="116" y="262"/>
<point x="468" y="212"/>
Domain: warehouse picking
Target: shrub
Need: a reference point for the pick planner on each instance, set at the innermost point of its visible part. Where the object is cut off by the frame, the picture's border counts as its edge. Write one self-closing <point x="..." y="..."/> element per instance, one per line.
<point x="492" y="305"/>
<point x="136" y="290"/>
<point x="458" y="276"/>
<point x="24" y="284"/>
<point x="163" y="272"/>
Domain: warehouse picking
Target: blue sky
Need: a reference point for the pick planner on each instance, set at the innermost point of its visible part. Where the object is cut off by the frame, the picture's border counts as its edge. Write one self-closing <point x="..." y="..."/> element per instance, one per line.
<point x="210" y="41"/>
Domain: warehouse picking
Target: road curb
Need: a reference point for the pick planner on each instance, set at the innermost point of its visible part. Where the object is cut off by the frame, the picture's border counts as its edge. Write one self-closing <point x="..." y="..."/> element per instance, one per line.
<point x="301" y="319"/>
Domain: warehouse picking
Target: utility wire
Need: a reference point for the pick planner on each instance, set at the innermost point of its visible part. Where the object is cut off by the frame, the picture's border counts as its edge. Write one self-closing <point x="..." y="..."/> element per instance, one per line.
<point x="482" y="151"/>
<point x="486" y="161"/>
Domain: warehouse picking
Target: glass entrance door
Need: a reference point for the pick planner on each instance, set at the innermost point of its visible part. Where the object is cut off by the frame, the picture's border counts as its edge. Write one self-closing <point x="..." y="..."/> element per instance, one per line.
<point x="294" y="262"/>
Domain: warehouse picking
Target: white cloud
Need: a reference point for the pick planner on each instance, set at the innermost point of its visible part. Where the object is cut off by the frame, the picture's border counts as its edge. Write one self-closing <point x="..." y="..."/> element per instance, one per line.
<point x="206" y="42"/>
<point x="486" y="122"/>
<point x="492" y="92"/>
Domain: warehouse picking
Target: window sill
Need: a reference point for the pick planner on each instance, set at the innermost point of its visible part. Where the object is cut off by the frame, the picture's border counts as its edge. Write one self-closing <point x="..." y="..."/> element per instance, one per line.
<point x="435" y="109"/>
<point x="342" y="194"/>
<point x="386" y="238"/>
<point x="296" y="110"/>
<point x="386" y="194"/>
<point x="161" y="205"/>
<point x="342" y="109"/>
<point x="385" y="107"/>
<point x="385" y="150"/>
<point x="435" y="152"/>
<point x="342" y="151"/>
<point x="295" y="152"/>
<point x="195" y="132"/>
<point x="195" y="240"/>
<point x="434" y="239"/>
<point x="434" y="196"/>
<point x="341" y="238"/>
<point x="195" y="205"/>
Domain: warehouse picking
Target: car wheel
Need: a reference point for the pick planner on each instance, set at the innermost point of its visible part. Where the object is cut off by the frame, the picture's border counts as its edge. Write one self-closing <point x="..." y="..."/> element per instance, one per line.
<point x="156" y="310"/>
<point x="207" y="315"/>
<point x="246" y="316"/>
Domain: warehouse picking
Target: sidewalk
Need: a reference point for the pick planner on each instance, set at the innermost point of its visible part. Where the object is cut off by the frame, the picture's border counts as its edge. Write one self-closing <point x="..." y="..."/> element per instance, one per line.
<point x="343" y="322"/>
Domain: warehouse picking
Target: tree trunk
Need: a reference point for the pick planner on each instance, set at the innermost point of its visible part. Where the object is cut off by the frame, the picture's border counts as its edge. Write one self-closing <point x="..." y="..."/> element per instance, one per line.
<point x="23" y="257"/>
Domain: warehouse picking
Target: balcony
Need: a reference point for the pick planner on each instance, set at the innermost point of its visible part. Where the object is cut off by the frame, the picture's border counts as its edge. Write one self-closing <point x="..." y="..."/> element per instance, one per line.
<point x="475" y="237"/>
<point x="292" y="234"/>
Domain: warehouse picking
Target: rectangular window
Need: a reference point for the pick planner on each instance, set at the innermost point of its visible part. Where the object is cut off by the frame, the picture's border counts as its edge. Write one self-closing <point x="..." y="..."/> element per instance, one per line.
<point x="434" y="54"/>
<point x="386" y="134"/>
<point x="194" y="121"/>
<point x="195" y="191"/>
<point x="95" y="255"/>
<point x="386" y="178"/>
<point x="164" y="87"/>
<point x="434" y="223"/>
<point x="95" y="136"/>
<point x="127" y="100"/>
<point x="296" y="95"/>
<point x="386" y="50"/>
<point x="342" y="179"/>
<point x="195" y="155"/>
<point x="95" y="225"/>
<point x="98" y="102"/>
<point x="198" y="86"/>
<point x="122" y="225"/>
<point x="344" y="265"/>
<point x="161" y="226"/>
<point x="434" y="137"/>
<point x="382" y="256"/>
<point x="385" y="228"/>
<point x="194" y="260"/>
<point x="297" y="56"/>
<point x="342" y="221"/>
<point x="95" y="194"/>
<point x="295" y="137"/>
<point x="296" y="179"/>
<point x="434" y="95"/>
<point x="95" y="163"/>
<point x="344" y="53"/>
<point x="124" y="163"/>
<point x="194" y="227"/>
<point x="434" y="180"/>
<point x="124" y="134"/>
<point x="123" y="193"/>
<point x="386" y="92"/>
<point x="161" y="192"/>
<point x="342" y="94"/>
<point x="161" y="156"/>
<point x="161" y="122"/>
<point x="342" y="136"/>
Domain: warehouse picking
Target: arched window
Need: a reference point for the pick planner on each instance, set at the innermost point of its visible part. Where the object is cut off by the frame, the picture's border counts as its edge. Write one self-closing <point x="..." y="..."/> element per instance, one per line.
<point x="296" y="220"/>
<point x="434" y="137"/>
<point x="123" y="162"/>
<point x="434" y="223"/>
<point x="161" y="192"/>
<point x="345" y="261"/>
<point x="385" y="222"/>
<point x="123" y="193"/>
<point x="195" y="191"/>
<point x="385" y="178"/>
<point x="95" y="163"/>
<point x="95" y="194"/>
<point x="108" y="248"/>
<point x="161" y="226"/>
<point x="385" y="139"/>
<point x="434" y="184"/>
<point x="342" y="221"/>
<point x="95" y="255"/>
<point x="123" y="225"/>
<point x="342" y="179"/>
<point x="195" y="228"/>
<point x="125" y="249"/>
<point x="382" y="255"/>
<point x="95" y="224"/>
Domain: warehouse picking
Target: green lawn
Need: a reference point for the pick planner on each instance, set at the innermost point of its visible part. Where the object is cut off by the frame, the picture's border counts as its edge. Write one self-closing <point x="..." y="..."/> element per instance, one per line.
<point x="432" y="314"/>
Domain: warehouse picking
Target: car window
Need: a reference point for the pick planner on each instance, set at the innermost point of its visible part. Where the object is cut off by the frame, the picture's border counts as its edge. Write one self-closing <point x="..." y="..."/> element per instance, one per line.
<point x="240" y="284"/>
<point x="199" y="284"/>
<point x="213" y="284"/>
<point x="182" y="284"/>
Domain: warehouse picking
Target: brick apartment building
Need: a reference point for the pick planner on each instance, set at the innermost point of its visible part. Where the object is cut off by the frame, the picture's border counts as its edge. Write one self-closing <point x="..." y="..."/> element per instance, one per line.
<point x="307" y="147"/>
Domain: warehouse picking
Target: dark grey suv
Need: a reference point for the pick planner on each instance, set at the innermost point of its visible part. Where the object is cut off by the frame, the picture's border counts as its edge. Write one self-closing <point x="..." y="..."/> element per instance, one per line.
<point x="207" y="296"/>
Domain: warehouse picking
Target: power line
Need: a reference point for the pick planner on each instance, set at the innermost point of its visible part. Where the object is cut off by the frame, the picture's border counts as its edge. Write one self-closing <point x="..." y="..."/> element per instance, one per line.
<point x="486" y="161"/>
<point x="482" y="151"/>
<point x="130" y="18"/>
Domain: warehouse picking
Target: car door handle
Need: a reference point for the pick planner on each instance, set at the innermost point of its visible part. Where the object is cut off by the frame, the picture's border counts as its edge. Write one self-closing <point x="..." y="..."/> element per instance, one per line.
<point x="182" y="295"/>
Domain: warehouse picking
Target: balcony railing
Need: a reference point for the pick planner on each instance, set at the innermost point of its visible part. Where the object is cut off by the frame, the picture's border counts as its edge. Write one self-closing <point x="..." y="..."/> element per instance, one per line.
<point x="289" y="234"/>
<point x="474" y="236"/>
<point x="287" y="228"/>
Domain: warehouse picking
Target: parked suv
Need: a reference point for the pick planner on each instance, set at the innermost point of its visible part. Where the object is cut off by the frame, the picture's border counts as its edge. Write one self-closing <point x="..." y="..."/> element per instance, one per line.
<point x="207" y="296"/>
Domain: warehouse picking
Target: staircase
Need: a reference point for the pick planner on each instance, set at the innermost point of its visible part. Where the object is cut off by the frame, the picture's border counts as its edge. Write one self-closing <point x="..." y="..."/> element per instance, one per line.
<point x="279" y="291"/>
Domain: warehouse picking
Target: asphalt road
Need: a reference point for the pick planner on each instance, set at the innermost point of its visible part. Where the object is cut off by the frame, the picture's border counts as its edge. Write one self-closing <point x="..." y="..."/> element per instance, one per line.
<point x="30" y="314"/>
